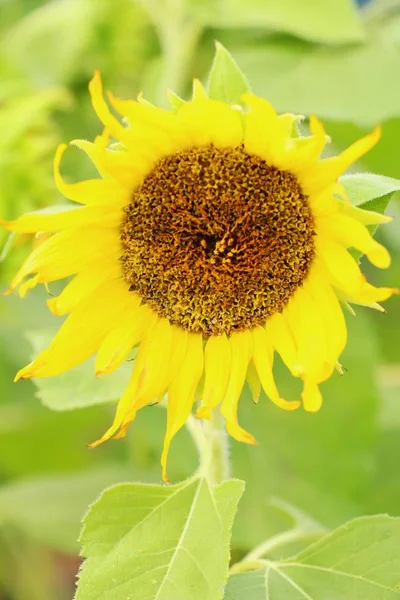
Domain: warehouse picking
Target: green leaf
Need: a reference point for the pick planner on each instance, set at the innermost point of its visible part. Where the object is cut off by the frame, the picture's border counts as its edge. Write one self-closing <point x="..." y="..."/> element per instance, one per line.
<point x="50" y="509"/>
<point x="361" y="559"/>
<point x="226" y="81"/>
<point x="175" y="101"/>
<point x="364" y="187"/>
<point x="78" y="387"/>
<point x="159" y="542"/>
<point x="370" y="191"/>
<point x="332" y="83"/>
<point x="308" y="20"/>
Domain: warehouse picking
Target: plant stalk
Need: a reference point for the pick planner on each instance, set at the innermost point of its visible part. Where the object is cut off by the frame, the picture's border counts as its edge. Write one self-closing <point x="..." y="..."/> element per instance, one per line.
<point x="211" y="440"/>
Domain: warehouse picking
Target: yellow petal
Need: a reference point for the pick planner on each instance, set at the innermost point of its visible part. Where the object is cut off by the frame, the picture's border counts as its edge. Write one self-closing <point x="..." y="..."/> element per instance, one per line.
<point x="181" y="393"/>
<point x="263" y="360"/>
<point x="254" y="381"/>
<point x="305" y="320"/>
<point x="199" y="93"/>
<point x="311" y="396"/>
<point x="179" y="348"/>
<point x="343" y="268"/>
<point x="143" y="139"/>
<point x="287" y="124"/>
<point x="125" y="168"/>
<point x="328" y="170"/>
<point x="352" y="233"/>
<point x="324" y="204"/>
<point x="332" y="315"/>
<point x="241" y="352"/>
<point x="139" y="112"/>
<point x="211" y="122"/>
<point x="93" y="191"/>
<point x="281" y="339"/>
<point x="156" y="351"/>
<point x="81" y="333"/>
<point x="27" y="285"/>
<point x="369" y="295"/>
<point x="304" y="151"/>
<point x="125" y="411"/>
<point x="263" y="134"/>
<point x="217" y="366"/>
<point x="88" y="215"/>
<point x="68" y="252"/>
<point x="129" y="330"/>
<point x="101" y="109"/>
<point x="366" y="217"/>
<point x="84" y="284"/>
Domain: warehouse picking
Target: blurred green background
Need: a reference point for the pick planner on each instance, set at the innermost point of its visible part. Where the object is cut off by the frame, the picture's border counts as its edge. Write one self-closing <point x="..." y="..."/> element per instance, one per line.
<point x="339" y="60"/>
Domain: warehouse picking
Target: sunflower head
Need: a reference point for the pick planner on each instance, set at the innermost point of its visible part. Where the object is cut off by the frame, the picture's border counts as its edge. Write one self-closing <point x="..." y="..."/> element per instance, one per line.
<point x="214" y="237"/>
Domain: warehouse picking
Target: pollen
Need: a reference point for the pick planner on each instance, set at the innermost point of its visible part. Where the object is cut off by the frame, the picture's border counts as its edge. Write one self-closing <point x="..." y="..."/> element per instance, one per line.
<point x="217" y="240"/>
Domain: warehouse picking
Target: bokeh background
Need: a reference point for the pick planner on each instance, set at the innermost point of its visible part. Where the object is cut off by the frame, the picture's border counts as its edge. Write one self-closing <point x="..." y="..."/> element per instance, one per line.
<point x="339" y="60"/>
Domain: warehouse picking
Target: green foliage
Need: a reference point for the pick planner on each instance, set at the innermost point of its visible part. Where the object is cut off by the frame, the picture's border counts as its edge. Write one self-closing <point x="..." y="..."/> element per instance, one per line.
<point x="346" y="83"/>
<point x="27" y="43"/>
<point x="49" y="509"/>
<point x="226" y="82"/>
<point x="27" y="142"/>
<point x="361" y="559"/>
<point x="166" y="543"/>
<point x="107" y="35"/>
<point x="367" y="190"/>
<point x="308" y="20"/>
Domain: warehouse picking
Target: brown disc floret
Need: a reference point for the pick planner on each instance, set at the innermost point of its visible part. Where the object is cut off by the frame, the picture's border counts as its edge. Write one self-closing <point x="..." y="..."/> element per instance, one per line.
<point x="217" y="240"/>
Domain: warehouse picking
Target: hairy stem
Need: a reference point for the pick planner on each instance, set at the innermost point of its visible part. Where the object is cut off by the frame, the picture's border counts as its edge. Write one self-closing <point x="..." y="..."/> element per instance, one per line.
<point x="211" y="440"/>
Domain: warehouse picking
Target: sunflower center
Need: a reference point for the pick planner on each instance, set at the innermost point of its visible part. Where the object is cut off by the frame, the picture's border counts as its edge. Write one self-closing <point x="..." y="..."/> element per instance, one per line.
<point x="217" y="240"/>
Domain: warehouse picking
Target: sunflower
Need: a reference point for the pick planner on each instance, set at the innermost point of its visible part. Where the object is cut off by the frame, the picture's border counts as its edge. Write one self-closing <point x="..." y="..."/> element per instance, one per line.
<point x="215" y="237"/>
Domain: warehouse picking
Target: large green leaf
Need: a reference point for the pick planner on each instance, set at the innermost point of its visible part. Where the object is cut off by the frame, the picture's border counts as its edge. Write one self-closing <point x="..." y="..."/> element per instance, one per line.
<point x="348" y="83"/>
<point x="158" y="542"/>
<point x="226" y="81"/>
<point x="308" y="19"/>
<point x="50" y="509"/>
<point x="361" y="559"/>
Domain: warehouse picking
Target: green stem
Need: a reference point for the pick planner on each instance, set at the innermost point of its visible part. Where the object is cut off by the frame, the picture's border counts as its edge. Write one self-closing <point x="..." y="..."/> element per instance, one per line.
<point x="179" y="34"/>
<point x="279" y="540"/>
<point x="255" y="559"/>
<point x="211" y="440"/>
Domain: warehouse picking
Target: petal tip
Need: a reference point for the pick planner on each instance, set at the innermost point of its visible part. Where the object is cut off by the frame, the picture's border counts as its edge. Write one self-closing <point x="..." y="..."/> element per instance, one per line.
<point x="8" y="291"/>
<point x="7" y="224"/>
<point x="26" y="372"/>
<point x="203" y="412"/>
